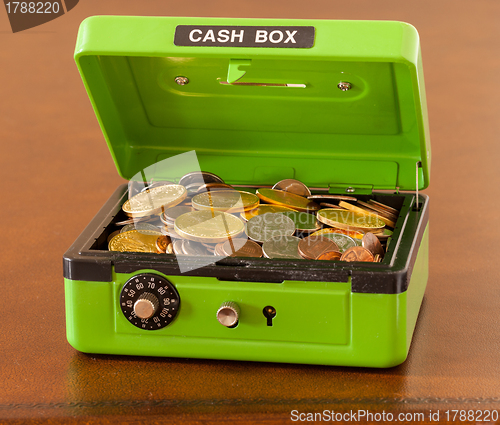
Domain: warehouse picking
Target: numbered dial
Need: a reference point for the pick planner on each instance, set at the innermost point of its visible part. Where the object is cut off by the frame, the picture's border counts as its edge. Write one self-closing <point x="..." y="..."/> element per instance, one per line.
<point x="149" y="301"/>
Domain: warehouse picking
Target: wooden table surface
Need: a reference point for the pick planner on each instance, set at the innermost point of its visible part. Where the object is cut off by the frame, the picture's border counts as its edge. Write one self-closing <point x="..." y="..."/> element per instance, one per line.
<point x="56" y="172"/>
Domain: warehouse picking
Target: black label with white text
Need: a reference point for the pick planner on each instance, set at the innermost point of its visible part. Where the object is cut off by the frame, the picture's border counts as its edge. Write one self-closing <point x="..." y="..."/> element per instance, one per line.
<point x="244" y="36"/>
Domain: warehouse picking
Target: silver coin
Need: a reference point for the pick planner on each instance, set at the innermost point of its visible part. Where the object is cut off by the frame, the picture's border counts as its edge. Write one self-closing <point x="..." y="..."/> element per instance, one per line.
<point x="170" y="214"/>
<point x="282" y="247"/>
<point x="344" y="242"/>
<point x="139" y="226"/>
<point x="156" y="184"/>
<point x="194" y="248"/>
<point x="200" y="177"/>
<point x="177" y="247"/>
<point x="293" y="186"/>
<point x="265" y="226"/>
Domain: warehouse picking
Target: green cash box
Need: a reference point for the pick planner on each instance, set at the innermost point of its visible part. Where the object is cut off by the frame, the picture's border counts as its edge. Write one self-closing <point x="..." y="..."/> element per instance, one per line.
<point x="338" y="105"/>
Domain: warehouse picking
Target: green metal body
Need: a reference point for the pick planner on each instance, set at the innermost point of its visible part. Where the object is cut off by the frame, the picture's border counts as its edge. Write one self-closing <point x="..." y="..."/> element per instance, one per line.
<point x="316" y="322"/>
<point x="374" y="136"/>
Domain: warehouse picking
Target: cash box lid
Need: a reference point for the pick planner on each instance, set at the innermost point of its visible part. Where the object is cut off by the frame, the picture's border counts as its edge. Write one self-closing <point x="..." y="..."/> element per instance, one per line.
<point x="330" y="103"/>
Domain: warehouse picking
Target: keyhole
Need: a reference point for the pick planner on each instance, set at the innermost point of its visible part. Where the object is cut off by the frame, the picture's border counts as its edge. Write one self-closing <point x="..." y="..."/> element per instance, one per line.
<point x="269" y="313"/>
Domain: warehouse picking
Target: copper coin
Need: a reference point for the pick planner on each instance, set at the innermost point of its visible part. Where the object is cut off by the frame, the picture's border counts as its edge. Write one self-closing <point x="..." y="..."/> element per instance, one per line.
<point x="278" y="197"/>
<point x="385" y="207"/>
<point x="293" y="186"/>
<point x="329" y="255"/>
<point x="249" y="248"/>
<point x="372" y="244"/>
<point x="313" y="246"/>
<point x="357" y="253"/>
<point x="162" y="243"/>
<point x="336" y="197"/>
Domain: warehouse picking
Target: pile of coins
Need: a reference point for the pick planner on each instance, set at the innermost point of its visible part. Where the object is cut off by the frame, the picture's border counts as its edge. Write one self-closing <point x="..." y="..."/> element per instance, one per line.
<point x="201" y="215"/>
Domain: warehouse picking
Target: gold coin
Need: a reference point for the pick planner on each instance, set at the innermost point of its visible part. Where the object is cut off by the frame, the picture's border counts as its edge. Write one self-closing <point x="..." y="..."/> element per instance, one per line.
<point x="278" y="197"/>
<point x="351" y="207"/>
<point x="381" y="211"/>
<point x="153" y="201"/>
<point x="293" y="186"/>
<point x="208" y="226"/>
<point x="264" y="209"/>
<point x="352" y="233"/>
<point x="357" y="253"/>
<point x="350" y="220"/>
<point x="135" y="241"/>
<point x="226" y="201"/>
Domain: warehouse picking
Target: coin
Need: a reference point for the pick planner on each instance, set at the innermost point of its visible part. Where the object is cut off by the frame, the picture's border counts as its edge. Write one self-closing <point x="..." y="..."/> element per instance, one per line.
<point x="386" y="207"/>
<point x="263" y="227"/>
<point x="169" y="231"/>
<point x="263" y="209"/>
<point x="350" y="220"/>
<point x="354" y="208"/>
<point x="170" y="248"/>
<point x="278" y="197"/>
<point x="112" y="235"/>
<point x="242" y="248"/>
<point x="313" y="246"/>
<point x="330" y="255"/>
<point x="193" y="248"/>
<point x="304" y="222"/>
<point x="208" y="226"/>
<point x="162" y="243"/>
<point x="177" y="247"/>
<point x="132" y="220"/>
<point x="152" y="185"/>
<point x="344" y="242"/>
<point x="281" y="247"/>
<point x="357" y="253"/>
<point x="293" y="186"/>
<point x="169" y="215"/>
<point x="134" y="241"/>
<point x="219" y="251"/>
<point x="381" y="211"/>
<point x="228" y="201"/>
<point x="372" y="244"/>
<point x="199" y="177"/>
<point x="153" y="201"/>
<point x="330" y="196"/>
<point x="327" y="205"/>
<point x="352" y="233"/>
<point x="139" y="226"/>
<point x="213" y="187"/>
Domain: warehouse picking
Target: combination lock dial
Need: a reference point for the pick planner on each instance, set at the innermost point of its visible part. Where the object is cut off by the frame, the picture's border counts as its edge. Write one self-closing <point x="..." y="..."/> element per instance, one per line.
<point x="149" y="301"/>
